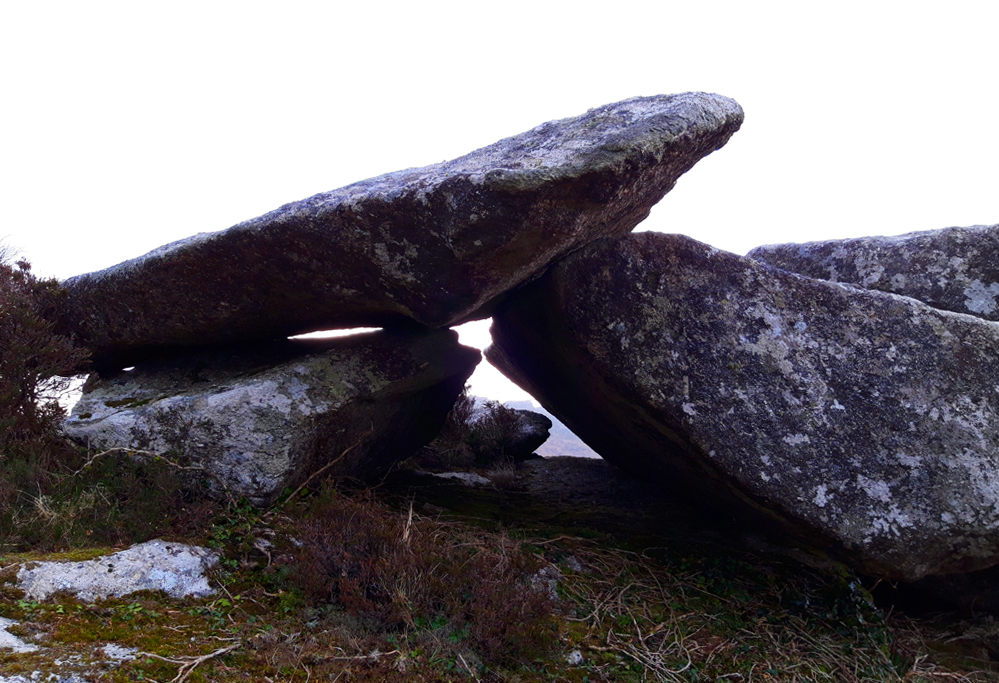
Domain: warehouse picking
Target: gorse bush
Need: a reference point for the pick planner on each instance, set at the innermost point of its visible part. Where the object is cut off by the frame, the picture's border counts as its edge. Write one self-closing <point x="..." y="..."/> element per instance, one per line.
<point x="32" y="361"/>
<point x="493" y="433"/>
<point x="450" y="448"/>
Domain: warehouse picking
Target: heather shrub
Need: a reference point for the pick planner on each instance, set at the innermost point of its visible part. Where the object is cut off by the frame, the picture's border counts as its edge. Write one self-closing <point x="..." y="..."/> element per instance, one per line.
<point x="471" y="437"/>
<point x="493" y="434"/>
<point x="33" y="360"/>
<point x="450" y="448"/>
<point x="425" y="578"/>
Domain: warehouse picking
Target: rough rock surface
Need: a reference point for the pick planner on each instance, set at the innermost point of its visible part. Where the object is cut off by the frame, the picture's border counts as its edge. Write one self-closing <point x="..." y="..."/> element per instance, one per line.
<point x="436" y="245"/>
<point x="174" y="568"/>
<point x="8" y="641"/>
<point x="261" y="418"/>
<point x="864" y="420"/>
<point x="525" y="432"/>
<point x="956" y="269"/>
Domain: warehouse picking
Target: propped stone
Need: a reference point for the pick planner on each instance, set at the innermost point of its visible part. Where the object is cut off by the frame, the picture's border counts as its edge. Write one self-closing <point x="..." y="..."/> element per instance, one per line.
<point x="262" y="417"/>
<point x="956" y="269"/>
<point x="436" y="245"/>
<point x="863" y="420"/>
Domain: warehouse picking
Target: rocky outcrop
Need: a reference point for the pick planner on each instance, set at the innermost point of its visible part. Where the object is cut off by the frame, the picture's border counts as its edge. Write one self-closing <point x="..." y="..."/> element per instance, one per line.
<point x="956" y="269"/>
<point x="435" y="245"/>
<point x="261" y="418"/>
<point x="863" y="420"/>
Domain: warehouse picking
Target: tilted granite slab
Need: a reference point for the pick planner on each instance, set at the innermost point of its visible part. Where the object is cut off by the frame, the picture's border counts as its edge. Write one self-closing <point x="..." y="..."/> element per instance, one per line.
<point x="436" y="245"/>
<point x="865" y="421"/>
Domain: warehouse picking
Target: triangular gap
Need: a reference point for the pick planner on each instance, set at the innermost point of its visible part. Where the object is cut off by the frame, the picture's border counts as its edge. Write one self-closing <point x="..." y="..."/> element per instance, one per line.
<point x="489" y="383"/>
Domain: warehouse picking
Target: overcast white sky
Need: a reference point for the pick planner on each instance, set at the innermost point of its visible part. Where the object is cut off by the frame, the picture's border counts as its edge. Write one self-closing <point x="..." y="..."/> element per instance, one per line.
<point x="127" y="125"/>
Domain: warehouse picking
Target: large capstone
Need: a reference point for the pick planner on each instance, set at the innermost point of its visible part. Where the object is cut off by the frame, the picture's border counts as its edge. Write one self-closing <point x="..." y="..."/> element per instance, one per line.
<point x="262" y="417"/>
<point x="956" y="269"/>
<point x="436" y="245"/>
<point x="862" y="420"/>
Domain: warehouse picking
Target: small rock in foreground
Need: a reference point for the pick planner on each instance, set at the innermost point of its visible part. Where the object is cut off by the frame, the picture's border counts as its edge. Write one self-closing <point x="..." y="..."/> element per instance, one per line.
<point x="174" y="568"/>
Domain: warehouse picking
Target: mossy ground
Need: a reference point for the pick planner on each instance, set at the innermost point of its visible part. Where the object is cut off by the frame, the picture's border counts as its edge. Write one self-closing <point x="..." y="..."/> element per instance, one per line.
<point x="666" y="605"/>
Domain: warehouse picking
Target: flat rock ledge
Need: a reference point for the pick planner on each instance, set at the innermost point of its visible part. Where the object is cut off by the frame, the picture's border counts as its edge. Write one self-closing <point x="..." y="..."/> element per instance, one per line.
<point x="864" y="421"/>
<point x="436" y="245"/>
<point x="261" y="418"/>
<point x="174" y="568"/>
<point x="956" y="269"/>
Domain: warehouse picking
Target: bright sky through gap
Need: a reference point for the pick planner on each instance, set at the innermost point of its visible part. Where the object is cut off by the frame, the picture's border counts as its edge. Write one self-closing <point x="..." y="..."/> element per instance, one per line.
<point x="128" y="125"/>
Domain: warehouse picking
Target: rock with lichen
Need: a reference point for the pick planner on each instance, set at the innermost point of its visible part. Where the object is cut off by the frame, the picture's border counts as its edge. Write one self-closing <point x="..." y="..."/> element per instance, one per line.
<point x="956" y="269"/>
<point x="260" y="418"/>
<point x="864" y="421"/>
<point x="176" y="569"/>
<point x="435" y="245"/>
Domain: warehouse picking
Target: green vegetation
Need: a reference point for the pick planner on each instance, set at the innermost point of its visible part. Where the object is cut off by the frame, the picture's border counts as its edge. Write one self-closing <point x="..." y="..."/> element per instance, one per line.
<point x="32" y="360"/>
<point x="54" y="495"/>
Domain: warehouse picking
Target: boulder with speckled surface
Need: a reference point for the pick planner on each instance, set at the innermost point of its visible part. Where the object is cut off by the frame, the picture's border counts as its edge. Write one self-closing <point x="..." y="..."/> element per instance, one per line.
<point x="864" y="421"/>
<point x="174" y="568"/>
<point x="261" y="418"/>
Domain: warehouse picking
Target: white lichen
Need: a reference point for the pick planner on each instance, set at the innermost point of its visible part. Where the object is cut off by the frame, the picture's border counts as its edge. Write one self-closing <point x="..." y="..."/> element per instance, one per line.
<point x="981" y="298"/>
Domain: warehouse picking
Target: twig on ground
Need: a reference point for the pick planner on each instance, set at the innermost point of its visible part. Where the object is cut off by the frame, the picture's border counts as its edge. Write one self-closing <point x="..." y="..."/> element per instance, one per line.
<point x="409" y="523"/>
<point x="328" y="465"/>
<point x="372" y="656"/>
<point x="156" y="457"/>
<point x="129" y="451"/>
<point x="189" y="664"/>
<point x="470" y="672"/>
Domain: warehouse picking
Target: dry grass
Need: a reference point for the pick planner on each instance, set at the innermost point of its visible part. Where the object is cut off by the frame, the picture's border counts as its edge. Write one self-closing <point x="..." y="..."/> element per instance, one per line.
<point x="343" y="586"/>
